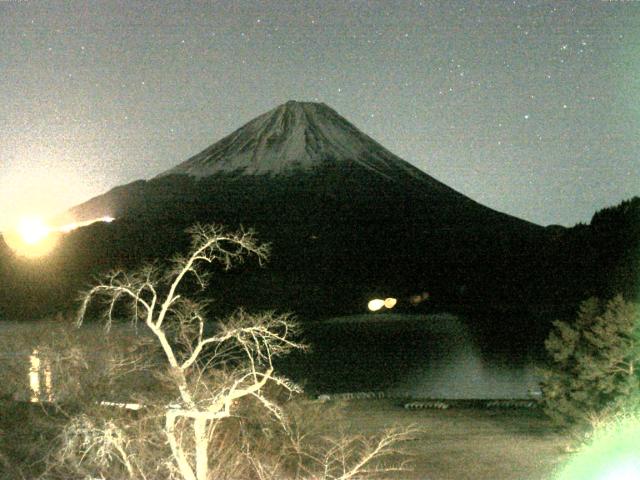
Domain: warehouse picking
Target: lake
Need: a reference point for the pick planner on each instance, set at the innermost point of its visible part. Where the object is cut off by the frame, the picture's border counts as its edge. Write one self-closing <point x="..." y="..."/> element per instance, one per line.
<point x="422" y="356"/>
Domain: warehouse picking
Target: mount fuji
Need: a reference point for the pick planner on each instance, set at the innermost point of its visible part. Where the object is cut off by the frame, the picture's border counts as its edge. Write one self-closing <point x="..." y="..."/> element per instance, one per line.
<point x="346" y="217"/>
<point x="347" y="220"/>
<point x="295" y="139"/>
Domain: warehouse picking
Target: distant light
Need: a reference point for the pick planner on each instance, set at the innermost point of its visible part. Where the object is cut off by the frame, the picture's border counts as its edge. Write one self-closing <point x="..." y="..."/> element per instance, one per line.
<point x="75" y="225"/>
<point x="33" y="238"/>
<point x="34" y="376"/>
<point x="375" y="304"/>
<point x="32" y="229"/>
<point x="418" y="298"/>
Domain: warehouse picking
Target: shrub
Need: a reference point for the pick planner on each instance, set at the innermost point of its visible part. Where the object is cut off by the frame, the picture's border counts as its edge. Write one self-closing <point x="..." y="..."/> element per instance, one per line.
<point x="594" y="362"/>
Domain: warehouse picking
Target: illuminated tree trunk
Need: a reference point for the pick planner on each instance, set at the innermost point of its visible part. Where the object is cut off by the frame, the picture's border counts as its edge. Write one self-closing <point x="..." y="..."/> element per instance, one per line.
<point x="178" y="454"/>
<point x="200" y="436"/>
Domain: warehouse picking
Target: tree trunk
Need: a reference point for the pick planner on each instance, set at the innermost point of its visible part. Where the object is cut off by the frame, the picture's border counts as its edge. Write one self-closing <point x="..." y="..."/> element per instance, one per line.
<point x="176" y="449"/>
<point x="202" y="460"/>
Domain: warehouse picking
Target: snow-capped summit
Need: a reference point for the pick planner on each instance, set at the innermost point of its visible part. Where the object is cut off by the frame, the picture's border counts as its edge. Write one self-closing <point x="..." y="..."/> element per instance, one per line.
<point x="292" y="137"/>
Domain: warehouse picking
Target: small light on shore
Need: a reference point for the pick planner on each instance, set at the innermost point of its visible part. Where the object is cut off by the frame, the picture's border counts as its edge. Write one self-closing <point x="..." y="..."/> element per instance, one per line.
<point x="375" y="304"/>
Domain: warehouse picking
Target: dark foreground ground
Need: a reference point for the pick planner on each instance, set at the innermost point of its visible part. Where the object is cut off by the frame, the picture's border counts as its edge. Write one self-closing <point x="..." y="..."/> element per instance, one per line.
<point x="468" y="443"/>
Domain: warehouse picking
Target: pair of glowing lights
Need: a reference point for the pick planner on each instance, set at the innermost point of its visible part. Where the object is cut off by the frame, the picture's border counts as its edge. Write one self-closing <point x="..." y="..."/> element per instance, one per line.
<point x="377" y="304"/>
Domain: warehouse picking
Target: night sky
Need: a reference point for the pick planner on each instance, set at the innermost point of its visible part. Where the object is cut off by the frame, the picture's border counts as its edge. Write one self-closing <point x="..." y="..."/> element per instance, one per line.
<point x="531" y="108"/>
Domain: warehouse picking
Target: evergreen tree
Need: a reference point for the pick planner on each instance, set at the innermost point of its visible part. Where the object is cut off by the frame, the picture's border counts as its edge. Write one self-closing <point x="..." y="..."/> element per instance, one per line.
<point x="594" y="362"/>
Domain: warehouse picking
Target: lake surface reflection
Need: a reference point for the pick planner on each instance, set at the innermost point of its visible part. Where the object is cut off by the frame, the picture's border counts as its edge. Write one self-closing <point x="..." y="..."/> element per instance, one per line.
<point x="426" y="356"/>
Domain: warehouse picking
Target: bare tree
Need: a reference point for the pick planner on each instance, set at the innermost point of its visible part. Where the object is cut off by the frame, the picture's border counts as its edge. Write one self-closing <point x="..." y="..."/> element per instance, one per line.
<point x="209" y="372"/>
<point x="178" y="324"/>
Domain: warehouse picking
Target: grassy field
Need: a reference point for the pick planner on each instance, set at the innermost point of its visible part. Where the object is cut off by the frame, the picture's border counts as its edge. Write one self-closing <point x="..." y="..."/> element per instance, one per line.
<point x="453" y="444"/>
<point x="468" y="443"/>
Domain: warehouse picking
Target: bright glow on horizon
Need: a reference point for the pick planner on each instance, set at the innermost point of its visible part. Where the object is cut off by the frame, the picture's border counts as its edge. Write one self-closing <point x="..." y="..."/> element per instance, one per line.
<point x="33" y="229"/>
<point x="33" y="237"/>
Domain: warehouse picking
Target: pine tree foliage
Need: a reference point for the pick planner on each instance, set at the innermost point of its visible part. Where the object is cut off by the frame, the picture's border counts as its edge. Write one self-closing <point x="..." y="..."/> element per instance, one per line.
<point x="594" y="362"/>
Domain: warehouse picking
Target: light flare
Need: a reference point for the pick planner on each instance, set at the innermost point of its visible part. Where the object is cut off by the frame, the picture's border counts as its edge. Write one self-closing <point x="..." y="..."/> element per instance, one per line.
<point x="33" y="237"/>
<point x="33" y="229"/>
<point x="613" y="453"/>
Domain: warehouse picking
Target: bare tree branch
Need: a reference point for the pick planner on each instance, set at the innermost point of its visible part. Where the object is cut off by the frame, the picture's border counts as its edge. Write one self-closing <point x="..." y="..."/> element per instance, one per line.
<point x="260" y="337"/>
<point x="212" y="371"/>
